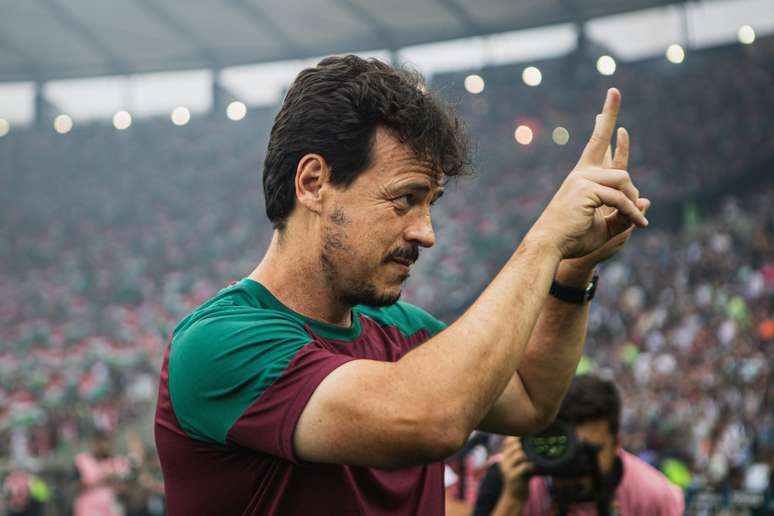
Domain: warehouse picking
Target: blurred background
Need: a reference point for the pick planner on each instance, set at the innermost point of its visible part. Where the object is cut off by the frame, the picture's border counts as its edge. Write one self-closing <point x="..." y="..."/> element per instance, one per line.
<point x="132" y="135"/>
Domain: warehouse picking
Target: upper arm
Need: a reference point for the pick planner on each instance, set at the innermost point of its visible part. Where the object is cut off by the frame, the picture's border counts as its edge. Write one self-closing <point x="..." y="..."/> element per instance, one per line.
<point x="513" y="413"/>
<point x="364" y="413"/>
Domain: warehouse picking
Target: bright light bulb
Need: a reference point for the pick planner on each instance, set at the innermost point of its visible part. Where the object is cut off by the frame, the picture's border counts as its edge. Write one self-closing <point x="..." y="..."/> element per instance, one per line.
<point x="746" y="34"/>
<point x="5" y="127"/>
<point x="560" y="136"/>
<point x="122" y="120"/>
<point x="523" y="135"/>
<point x="236" y="110"/>
<point x="474" y="84"/>
<point x="180" y="115"/>
<point x="532" y="76"/>
<point x="675" y="53"/>
<point x="63" y="124"/>
<point x="606" y="65"/>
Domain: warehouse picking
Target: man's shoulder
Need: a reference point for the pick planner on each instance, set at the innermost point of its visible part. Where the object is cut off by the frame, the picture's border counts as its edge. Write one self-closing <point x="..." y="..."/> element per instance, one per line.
<point x="234" y="314"/>
<point x="224" y="356"/>
<point x="408" y="318"/>
<point x="648" y="485"/>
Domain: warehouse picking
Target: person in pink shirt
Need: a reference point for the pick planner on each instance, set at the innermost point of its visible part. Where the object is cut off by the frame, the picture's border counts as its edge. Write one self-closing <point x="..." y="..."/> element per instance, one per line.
<point x="99" y="471"/>
<point x="624" y="484"/>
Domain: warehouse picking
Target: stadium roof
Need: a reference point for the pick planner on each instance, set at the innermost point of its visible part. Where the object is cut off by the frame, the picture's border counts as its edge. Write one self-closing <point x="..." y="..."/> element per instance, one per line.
<point x="43" y="40"/>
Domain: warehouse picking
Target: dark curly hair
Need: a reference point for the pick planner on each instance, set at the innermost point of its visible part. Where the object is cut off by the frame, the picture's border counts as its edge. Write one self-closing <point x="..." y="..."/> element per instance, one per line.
<point x="334" y="110"/>
<point x="591" y="399"/>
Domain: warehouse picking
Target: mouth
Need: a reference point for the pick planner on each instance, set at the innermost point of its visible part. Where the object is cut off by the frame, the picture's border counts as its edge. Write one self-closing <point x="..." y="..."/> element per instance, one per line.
<point x="402" y="261"/>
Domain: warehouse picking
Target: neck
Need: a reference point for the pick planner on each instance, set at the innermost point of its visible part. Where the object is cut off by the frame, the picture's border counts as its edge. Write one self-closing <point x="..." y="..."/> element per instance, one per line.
<point x="295" y="277"/>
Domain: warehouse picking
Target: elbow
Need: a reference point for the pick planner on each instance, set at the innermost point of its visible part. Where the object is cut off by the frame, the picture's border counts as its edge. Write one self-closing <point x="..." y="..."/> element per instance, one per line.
<point x="442" y="434"/>
<point x="542" y="418"/>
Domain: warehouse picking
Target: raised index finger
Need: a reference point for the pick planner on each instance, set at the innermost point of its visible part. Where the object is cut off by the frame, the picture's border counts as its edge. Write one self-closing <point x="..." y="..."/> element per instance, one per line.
<point x="594" y="153"/>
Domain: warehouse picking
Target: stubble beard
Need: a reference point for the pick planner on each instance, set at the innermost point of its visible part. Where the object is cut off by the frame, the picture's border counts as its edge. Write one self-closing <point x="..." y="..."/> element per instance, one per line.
<point x="348" y="291"/>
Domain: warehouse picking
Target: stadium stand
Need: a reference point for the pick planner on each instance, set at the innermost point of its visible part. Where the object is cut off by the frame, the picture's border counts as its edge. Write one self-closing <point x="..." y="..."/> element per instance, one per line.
<point x="113" y="236"/>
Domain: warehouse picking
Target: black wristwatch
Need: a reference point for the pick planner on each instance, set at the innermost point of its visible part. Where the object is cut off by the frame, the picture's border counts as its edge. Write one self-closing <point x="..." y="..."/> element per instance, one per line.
<point x="575" y="295"/>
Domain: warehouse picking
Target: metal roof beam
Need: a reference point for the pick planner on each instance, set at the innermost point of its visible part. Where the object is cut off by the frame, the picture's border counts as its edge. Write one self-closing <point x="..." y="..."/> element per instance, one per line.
<point x="183" y="32"/>
<point x="264" y="23"/>
<point x="575" y="10"/>
<point x="463" y="16"/>
<point x="85" y="33"/>
<point x="28" y="63"/>
<point x="386" y="37"/>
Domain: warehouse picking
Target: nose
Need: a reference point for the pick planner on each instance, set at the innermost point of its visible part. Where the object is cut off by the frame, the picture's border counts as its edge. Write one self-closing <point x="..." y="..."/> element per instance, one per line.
<point x="421" y="231"/>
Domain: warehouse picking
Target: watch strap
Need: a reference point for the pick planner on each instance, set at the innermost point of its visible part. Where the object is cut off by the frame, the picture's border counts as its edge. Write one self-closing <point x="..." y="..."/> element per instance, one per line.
<point x="575" y="295"/>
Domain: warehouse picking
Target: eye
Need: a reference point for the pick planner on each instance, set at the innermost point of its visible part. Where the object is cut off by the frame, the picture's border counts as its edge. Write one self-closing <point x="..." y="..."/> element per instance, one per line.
<point x="404" y="202"/>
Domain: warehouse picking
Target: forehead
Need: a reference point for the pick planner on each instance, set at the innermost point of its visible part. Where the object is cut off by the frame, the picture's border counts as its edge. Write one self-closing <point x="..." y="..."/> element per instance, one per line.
<point x="594" y="432"/>
<point x="394" y="162"/>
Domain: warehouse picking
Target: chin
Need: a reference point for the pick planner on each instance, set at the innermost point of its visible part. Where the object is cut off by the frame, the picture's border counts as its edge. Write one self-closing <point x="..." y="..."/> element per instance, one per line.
<point x="386" y="298"/>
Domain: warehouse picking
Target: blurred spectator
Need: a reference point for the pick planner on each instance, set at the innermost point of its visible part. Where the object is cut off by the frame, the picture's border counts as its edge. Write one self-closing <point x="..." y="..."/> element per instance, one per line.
<point x="99" y="473"/>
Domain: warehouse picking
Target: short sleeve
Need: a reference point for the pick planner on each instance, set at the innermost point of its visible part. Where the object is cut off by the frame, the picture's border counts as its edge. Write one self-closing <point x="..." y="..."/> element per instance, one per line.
<point x="242" y="376"/>
<point x="269" y="423"/>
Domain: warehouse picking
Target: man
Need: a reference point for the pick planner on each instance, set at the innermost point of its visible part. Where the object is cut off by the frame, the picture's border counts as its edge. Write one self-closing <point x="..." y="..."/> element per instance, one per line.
<point x="625" y="483"/>
<point x="303" y="388"/>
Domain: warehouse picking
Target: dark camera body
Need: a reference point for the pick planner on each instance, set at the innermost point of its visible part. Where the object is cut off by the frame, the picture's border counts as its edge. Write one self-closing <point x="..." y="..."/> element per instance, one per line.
<point x="557" y="452"/>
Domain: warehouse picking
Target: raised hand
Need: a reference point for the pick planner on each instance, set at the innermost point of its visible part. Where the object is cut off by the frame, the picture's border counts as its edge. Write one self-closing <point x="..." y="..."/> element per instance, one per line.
<point x="597" y="201"/>
<point x="619" y="161"/>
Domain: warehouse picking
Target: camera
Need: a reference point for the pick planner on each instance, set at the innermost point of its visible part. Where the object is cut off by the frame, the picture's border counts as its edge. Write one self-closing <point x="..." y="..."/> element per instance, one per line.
<point x="558" y="452"/>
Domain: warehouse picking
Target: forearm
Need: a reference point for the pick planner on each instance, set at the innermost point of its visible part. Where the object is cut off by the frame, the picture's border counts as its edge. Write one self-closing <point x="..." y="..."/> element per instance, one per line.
<point x="463" y="370"/>
<point x="507" y="506"/>
<point x="556" y="345"/>
<point x="533" y="395"/>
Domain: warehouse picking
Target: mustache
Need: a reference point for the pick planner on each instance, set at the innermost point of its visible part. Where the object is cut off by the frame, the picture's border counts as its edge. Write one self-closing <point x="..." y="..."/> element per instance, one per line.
<point x="403" y="253"/>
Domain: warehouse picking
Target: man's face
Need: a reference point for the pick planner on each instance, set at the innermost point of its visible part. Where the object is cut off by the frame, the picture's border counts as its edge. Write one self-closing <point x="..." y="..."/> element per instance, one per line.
<point x="372" y="231"/>
<point x="596" y="433"/>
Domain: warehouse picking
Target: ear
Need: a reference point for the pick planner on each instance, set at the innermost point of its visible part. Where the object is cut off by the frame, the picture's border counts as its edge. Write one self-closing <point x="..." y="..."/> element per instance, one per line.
<point x="312" y="174"/>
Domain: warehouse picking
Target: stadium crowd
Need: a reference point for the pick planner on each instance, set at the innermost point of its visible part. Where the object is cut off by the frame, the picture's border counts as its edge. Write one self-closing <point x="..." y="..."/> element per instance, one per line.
<point x="110" y="237"/>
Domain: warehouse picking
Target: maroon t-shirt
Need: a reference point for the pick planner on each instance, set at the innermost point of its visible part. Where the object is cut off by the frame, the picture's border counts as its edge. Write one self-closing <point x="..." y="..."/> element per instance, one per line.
<point x="236" y="377"/>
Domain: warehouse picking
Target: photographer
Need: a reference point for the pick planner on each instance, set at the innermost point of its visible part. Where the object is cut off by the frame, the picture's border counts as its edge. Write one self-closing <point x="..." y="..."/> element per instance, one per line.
<point x="591" y="475"/>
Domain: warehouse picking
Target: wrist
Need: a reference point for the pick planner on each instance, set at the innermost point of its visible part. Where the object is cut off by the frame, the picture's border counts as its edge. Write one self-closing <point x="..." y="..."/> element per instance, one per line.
<point x="515" y="497"/>
<point x="541" y="243"/>
<point x="574" y="273"/>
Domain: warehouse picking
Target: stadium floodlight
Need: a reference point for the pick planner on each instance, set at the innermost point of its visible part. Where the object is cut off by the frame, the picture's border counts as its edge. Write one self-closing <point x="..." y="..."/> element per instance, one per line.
<point x="606" y="65"/>
<point x="63" y="124"/>
<point x="122" y="120"/>
<point x="474" y="84"/>
<point x="5" y="127"/>
<point x="560" y="136"/>
<point x="180" y="115"/>
<point x="746" y="35"/>
<point x="675" y="53"/>
<point x="236" y="110"/>
<point x="523" y="135"/>
<point x="532" y="76"/>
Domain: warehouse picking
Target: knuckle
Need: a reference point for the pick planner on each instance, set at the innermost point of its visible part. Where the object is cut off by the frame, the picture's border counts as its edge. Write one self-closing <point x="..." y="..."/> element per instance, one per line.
<point x="597" y="139"/>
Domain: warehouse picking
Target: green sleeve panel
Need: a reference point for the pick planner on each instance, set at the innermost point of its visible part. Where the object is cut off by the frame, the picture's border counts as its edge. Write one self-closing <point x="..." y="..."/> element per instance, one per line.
<point x="408" y="318"/>
<point x="224" y="358"/>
